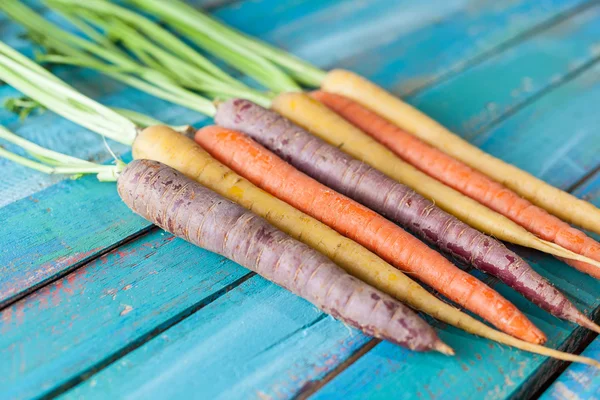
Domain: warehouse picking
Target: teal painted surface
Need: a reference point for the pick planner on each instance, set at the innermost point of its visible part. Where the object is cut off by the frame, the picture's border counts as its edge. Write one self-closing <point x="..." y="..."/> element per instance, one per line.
<point x="496" y="86"/>
<point x="560" y="126"/>
<point x="420" y="58"/>
<point x="72" y="221"/>
<point x="267" y="341"/>
<point x="80" y="321"/>
<point x="259" y="340"/>
<point x="311" y="29"/>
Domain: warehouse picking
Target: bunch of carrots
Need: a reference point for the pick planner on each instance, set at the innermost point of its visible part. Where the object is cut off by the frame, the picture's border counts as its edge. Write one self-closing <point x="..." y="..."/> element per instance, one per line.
<point x="333" y="195"/>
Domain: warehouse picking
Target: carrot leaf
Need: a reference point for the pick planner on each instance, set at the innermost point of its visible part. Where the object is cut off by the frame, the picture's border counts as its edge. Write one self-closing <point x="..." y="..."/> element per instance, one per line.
<point x="251" y="56"/>
<point x="156" y="48"/>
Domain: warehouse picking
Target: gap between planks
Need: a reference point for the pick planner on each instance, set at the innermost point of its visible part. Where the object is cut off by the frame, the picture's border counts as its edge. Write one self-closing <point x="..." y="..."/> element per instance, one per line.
<point x="478" y="59"/>
<point x="584" y="179"/>
<point x="143" y="339"/>
<point x="9" y="301"/>
<point x="568" y="77"/>
<point x="537" y="383"/>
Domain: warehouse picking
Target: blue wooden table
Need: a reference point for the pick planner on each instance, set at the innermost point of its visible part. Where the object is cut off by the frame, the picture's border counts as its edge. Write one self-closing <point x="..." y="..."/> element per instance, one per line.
<point x="97" y="303"/>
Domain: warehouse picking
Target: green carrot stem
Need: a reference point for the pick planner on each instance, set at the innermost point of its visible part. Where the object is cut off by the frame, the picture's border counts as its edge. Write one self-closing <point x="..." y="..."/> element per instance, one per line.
<point x="185" y="73"/>
<point x="162" y="88"/>
<point x="75" y="50"/>
<point x="216" y="37"/>
<point x="59" y="163"/>
<point x="89" y="31"/>
<point x="212" y="37"/>
<point x="148" y="28"/>
<point x="144" y="121"/>
<point x="105" y="173"/>
<point x="66" y="101"/>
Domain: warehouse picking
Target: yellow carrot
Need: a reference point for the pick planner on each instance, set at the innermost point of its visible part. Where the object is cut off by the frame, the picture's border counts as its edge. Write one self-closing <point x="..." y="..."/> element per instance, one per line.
<point x="165" y="145"/>
<point x="329" y="126"/>
<point x="558" y="202"/>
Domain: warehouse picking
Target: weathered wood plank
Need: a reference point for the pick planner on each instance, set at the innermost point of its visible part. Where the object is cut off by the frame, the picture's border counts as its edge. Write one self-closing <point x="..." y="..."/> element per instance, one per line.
<point x="578" y="382"/>
<point x="247" y="347"/>
<point x="56" y="247"/>
<point x="560" y="127"/>
<point x="92" y="314"/>
<point x="514" y="76"/>
<point x="311" y="29"/>
<point x="420" y="58"/>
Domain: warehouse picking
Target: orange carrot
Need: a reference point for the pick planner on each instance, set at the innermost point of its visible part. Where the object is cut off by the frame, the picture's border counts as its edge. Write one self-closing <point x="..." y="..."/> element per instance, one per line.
<point x="466" y="180"/>
<point x="364" y="226"/>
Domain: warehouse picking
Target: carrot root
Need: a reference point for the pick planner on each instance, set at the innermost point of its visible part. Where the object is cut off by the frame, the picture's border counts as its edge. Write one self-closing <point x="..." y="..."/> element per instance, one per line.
<point x="444" y="348"/>
<point x="589" y="324"/>
<point x="332" y="128"/>
<point x="200" y="216"/>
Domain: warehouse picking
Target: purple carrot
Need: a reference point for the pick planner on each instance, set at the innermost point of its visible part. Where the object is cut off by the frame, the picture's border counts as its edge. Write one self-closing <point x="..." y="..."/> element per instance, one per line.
<point x="187" y="209"/>
<point x="399" y="203"/>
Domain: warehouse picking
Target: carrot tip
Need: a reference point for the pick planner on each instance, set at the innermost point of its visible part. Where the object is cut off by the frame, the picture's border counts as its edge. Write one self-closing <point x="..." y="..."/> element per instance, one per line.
<point x="443" y="348"/>
<point x="592" y="362"/>
<point x="589" y="324"/>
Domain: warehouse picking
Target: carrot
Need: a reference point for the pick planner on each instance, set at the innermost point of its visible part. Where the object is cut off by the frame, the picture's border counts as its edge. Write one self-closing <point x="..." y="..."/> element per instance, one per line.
<point x="357" y="180"/>
<point x="185" y="208"/>
<point x="466" y="180"/>
<point x="319" y="120"/>
<point x="364" y="226"/>
<point x="557" y="202"/>
<point x="361" y="261"/>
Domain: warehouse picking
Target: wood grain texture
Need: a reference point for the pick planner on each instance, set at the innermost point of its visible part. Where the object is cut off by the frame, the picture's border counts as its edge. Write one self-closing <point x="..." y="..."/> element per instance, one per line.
<point x="87" y="317"/>
<point x="501" y="83"/>
<point x="58" y="246"/>
<point x="266" y="358"/>
<point x="275" y="343"/>
<point x="311" y="29"/>
<point x="420" y="58"/>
